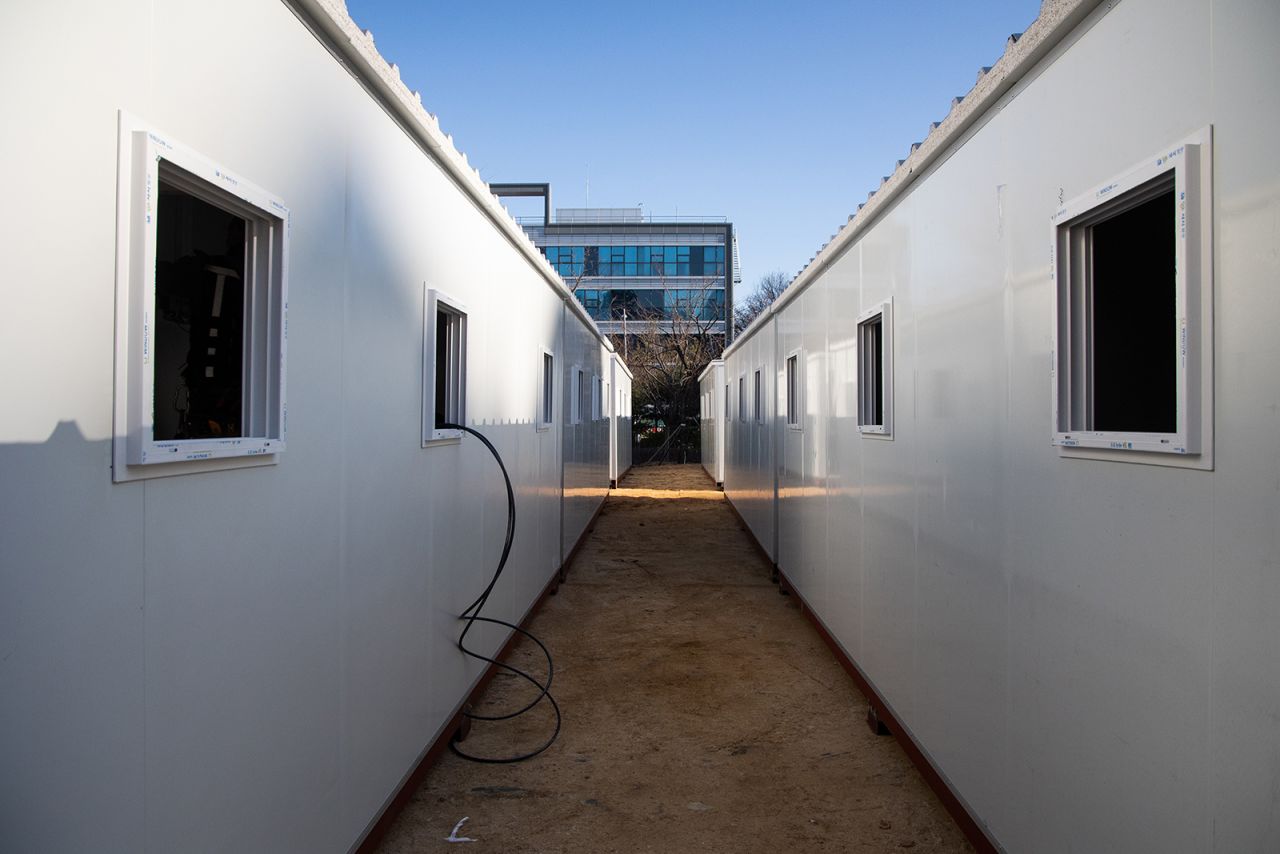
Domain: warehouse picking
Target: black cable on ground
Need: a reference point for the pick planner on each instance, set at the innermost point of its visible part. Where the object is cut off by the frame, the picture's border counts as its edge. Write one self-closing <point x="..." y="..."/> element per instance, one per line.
<point x="472" y="616"/>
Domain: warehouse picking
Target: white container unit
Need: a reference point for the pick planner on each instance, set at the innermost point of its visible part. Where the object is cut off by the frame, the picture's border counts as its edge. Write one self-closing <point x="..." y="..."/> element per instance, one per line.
<point x="750" y="433"/>
<point x="1064" y="584"/>
<point x="586" y="429"/>
<point x="712" y="403"/>
<point x="620" y="418"/>
<point x="230" y="565"/>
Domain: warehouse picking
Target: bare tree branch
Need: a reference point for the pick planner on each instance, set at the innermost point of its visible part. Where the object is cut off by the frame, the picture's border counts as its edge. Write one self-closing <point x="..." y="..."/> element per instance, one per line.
<point x="667" y="353"/>
<point x="768" y="288"/>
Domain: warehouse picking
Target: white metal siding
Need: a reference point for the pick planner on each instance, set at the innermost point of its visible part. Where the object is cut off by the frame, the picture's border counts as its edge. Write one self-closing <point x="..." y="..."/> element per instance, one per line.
<point x="712" y="428"/>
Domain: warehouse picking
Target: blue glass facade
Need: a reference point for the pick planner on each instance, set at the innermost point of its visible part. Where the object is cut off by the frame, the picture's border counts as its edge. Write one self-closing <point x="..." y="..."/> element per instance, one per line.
<point x="696" y="303"/>
<point x="575" y="261"/>
<point x="671" y="303"/>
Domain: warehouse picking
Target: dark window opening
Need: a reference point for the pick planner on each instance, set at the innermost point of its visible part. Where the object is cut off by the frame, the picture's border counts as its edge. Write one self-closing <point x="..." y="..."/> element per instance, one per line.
<point x="758" y="397"/>
<point x="442" y="368"/>
<point x="200" y="318"/>
<point x="450" y="367"/>
<point x="793" y="395"/>
<point x="548" y="387"/>
<point x="871" y="372"/>
<point x="1134" y="329"/>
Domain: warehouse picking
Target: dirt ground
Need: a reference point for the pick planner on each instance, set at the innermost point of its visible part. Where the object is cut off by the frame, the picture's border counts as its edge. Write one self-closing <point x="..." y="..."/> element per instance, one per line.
<point x="701" y="711"/>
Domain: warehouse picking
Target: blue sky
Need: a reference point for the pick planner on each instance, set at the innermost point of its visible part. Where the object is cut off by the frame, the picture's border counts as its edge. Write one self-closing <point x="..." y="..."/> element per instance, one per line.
<point x="780" y="116"/>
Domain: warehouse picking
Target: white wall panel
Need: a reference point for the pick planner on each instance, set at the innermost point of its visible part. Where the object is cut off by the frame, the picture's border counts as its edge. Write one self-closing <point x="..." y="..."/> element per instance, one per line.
<point x="586" y="443"/>
<point x="620" y="418"/>
<point x="748" y="449"/>
<point x="714" y="426"/>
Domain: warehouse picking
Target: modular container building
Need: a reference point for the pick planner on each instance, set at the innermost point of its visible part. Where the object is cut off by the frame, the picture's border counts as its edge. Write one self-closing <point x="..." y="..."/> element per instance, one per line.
<point x="620" y="417"/>
<point x="249" y="290"/>
<point x="1019" y="435"/>
<point x="711" y="396"/>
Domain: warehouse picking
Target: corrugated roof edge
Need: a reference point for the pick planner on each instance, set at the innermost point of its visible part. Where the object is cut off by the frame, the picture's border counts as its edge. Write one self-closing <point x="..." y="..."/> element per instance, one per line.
<point x="1022" y="51"/>
<point x="709" y="368"/>
<point x="330" y="21"/>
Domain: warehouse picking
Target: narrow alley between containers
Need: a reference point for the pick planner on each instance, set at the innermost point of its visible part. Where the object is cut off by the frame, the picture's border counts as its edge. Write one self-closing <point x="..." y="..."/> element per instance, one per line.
<point x="701" y="711"/>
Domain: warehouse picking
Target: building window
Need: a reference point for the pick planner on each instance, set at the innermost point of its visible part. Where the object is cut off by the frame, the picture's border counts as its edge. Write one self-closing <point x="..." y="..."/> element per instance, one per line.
<point x="1133" y="308"/>
<point x="742" y="398"/>
<point x="793" y="391"/>
<point x="875" y="370"/>
<point x="200" y="327"/>
<point x="726" y="402"/>
<point x="595" y="397"/>
<point x="444" y="368"/>
<point x="758" y="397"/>
<point x="651" y="261"/>
<point x="569" y="261"/>
<point x="575" y="402"/>
<point x="546" y="389"/>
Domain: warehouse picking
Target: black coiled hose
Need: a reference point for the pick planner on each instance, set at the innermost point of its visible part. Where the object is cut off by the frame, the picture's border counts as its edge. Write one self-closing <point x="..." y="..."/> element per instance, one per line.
<point x="471" y="616"/>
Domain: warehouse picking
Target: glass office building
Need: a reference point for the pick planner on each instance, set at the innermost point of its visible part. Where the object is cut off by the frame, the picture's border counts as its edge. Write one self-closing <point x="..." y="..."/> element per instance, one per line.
<point x="625" y="267"/>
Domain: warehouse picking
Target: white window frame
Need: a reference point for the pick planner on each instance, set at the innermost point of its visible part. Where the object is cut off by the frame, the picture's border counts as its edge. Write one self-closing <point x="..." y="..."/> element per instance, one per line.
<point x="742" y="398"/>
<point x="434" y="302"/>
<point x="595" y="397"/>
<point x="758" y="396"/>
<point x="728" y="404"/>
<point x="883" y="430"/>
<point x="576" y="394"/>
<point x="1191" y="444"/>
<point x="793" y="391"/>
<point x="605" y="400"/>
<point x="135" y="452"/>
<point x="546" y="405"/>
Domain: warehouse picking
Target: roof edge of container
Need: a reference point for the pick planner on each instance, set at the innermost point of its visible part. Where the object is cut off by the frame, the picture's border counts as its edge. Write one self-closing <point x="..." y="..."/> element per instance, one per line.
<point x="354" y="48"/>
<point x="1023" y="51"/>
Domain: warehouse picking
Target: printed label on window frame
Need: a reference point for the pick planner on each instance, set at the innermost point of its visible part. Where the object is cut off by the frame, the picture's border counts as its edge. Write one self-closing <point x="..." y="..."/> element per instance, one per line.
<point x="136" y="453"/>
<point x="1190" y="342"/>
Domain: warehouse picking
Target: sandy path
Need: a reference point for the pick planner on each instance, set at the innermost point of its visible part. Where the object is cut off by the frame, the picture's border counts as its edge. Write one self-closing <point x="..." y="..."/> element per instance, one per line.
<point x="701" y="711"/>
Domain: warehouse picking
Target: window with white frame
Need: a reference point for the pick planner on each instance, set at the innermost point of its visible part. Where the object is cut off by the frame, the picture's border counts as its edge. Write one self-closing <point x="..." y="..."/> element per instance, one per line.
<point x="202" y="271"/>
<point x="595" y="397"/>
<point x="727" y="410"/>
<point x="742" y="398"/>
<point x="578" y="392"/>
<point x="793" y="391"/>
<point x="875" y="370"/>
<point x="758" y="397"/>
<point x="444" y="368"/>
<point x="1133" y="326"/>
<point x="546" y="391"/>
